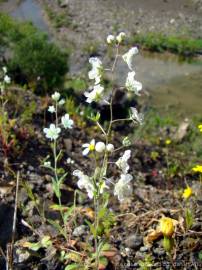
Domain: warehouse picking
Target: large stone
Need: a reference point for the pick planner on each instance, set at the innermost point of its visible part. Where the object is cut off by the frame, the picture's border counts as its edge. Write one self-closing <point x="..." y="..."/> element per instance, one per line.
<point x="63" y="3"/>
<point x="134" y="241"/>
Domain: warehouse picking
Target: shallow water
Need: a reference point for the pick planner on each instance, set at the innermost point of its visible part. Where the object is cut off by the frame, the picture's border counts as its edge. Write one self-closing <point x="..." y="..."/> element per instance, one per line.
<point x="169" y="84"/>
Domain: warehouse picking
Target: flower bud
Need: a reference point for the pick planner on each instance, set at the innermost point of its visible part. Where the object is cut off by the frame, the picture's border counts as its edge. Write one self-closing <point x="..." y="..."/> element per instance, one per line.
<point x="166" y="226"/>
<point x="100" y="147"/>
<point x="120" y="37"/>
<point x="168" y="244"/>
<point x="7" y="79"/>
<point x="110" y="147"/>
<point x="110" y="39"/>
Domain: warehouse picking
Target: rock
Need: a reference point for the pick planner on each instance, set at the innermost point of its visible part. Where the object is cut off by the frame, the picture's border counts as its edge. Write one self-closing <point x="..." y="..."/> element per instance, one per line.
<point x="63" y="3"/>
<point x="139" y="255"/>
<point x="182" y="131"/>
<point x="36" y="178"/>
<point x="30" y="168"/>
<point x="79" y="231"/>
<point x="159" y="251"/>
<point x="134" y="241"/>
<point x="68" y="145"/>
<point x="6" y="221"/>
<point x="144" y="249"/>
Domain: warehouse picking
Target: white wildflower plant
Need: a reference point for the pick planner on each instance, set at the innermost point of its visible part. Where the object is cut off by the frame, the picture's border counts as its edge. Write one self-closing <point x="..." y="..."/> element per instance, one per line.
<point x="53" y="133"/>
<point x="4" y="79"/>
<point x="96" y="181"/>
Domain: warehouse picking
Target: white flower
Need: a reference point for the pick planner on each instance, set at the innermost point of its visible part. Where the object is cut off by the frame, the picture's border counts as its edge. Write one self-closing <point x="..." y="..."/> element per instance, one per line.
<point x="136" y="116"/>
<point x="96" y="71"/>
<point x="56" y="96"/>
<point x="52" y="132"/>
<point x="128" y="57"/>
<point x="51" y="109"/>
<point x="132" y="84"/>
<point x="120" y="37"/>
<point x="47" y="164"/>
<point x="66" y="121"/>
<point x="88" y="147"/>
<point x="61" y="102"/>
<point x="122" y="161"/>
<point x="110" y="39"/>
<point x="122" y="188"/>
<point x="84" y="182"/>
<point x="95" y="95"/>
<point x="4" y="69"/>
<point x="70" y="161"/>
<point x="7" y="79"/>
<point x="110" y="147"/>
<point x="100" y="147"/>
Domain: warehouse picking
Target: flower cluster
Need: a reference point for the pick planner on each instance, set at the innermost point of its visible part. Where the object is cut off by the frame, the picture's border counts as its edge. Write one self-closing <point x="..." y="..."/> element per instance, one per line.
<point x="111" y="39"/>
<point x="200" y="127"/>
<point x="6" y="79"/>
<point x="54" y="130"/>
<point x="96" y="73"/>
<point x="122" y="187"/>
<point x="99" y="147"/>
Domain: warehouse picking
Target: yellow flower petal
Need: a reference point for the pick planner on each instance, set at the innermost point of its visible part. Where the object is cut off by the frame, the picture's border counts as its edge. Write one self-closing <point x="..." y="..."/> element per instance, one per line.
<point x="166" y="226"/>
<point x="197" y="168"/>
<point x="187" y="193"/>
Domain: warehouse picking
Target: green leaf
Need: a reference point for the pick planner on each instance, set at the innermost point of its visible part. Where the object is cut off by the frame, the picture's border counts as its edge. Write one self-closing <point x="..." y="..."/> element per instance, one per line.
<point x="73" y="266"/>
<point x="102" y="213"/>
<point x="103" y="261"/>
<point x="33" y="246"/>
<point x="56" y="189"/>
<point x="58" y="207"/>
<point x="189" y="218"/>
<point x="68" y="213"/>
<point x="200" y="255"/>
<point x="59" y="155"/>
<point x="94" y="117"/>
<point x="92" y="228"/>
<point x="46" y="241"/>
<point x="57" y="227"/>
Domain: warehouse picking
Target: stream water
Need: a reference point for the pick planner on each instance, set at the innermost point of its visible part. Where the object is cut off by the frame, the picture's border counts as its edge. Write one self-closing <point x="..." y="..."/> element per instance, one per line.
<point x="170" y="84"/>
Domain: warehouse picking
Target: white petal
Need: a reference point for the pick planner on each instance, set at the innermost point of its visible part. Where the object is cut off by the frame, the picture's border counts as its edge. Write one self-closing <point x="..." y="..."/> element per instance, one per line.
<point x="85" y="151"/>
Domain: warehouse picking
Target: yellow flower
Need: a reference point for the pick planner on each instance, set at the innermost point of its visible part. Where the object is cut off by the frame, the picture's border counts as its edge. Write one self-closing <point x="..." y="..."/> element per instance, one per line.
<point x="197" y="168"/>
<point x="168" y="141"/>
<point x="187" y="192"/>
<point x="166" y="226"/>
<point x="200" y="127"/>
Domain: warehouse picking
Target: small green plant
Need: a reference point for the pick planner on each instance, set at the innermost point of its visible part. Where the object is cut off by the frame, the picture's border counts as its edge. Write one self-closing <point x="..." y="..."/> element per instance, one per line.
<point x="7" y="137"/>
<point x="43" y="63"/>
<point x="147" y="263"/>
<point x="61" y="19"/>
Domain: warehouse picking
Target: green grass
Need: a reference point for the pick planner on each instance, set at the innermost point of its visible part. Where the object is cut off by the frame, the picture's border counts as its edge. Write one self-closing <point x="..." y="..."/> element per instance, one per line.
<point x="58" y="20"/>
<point x="176" y="44"/>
